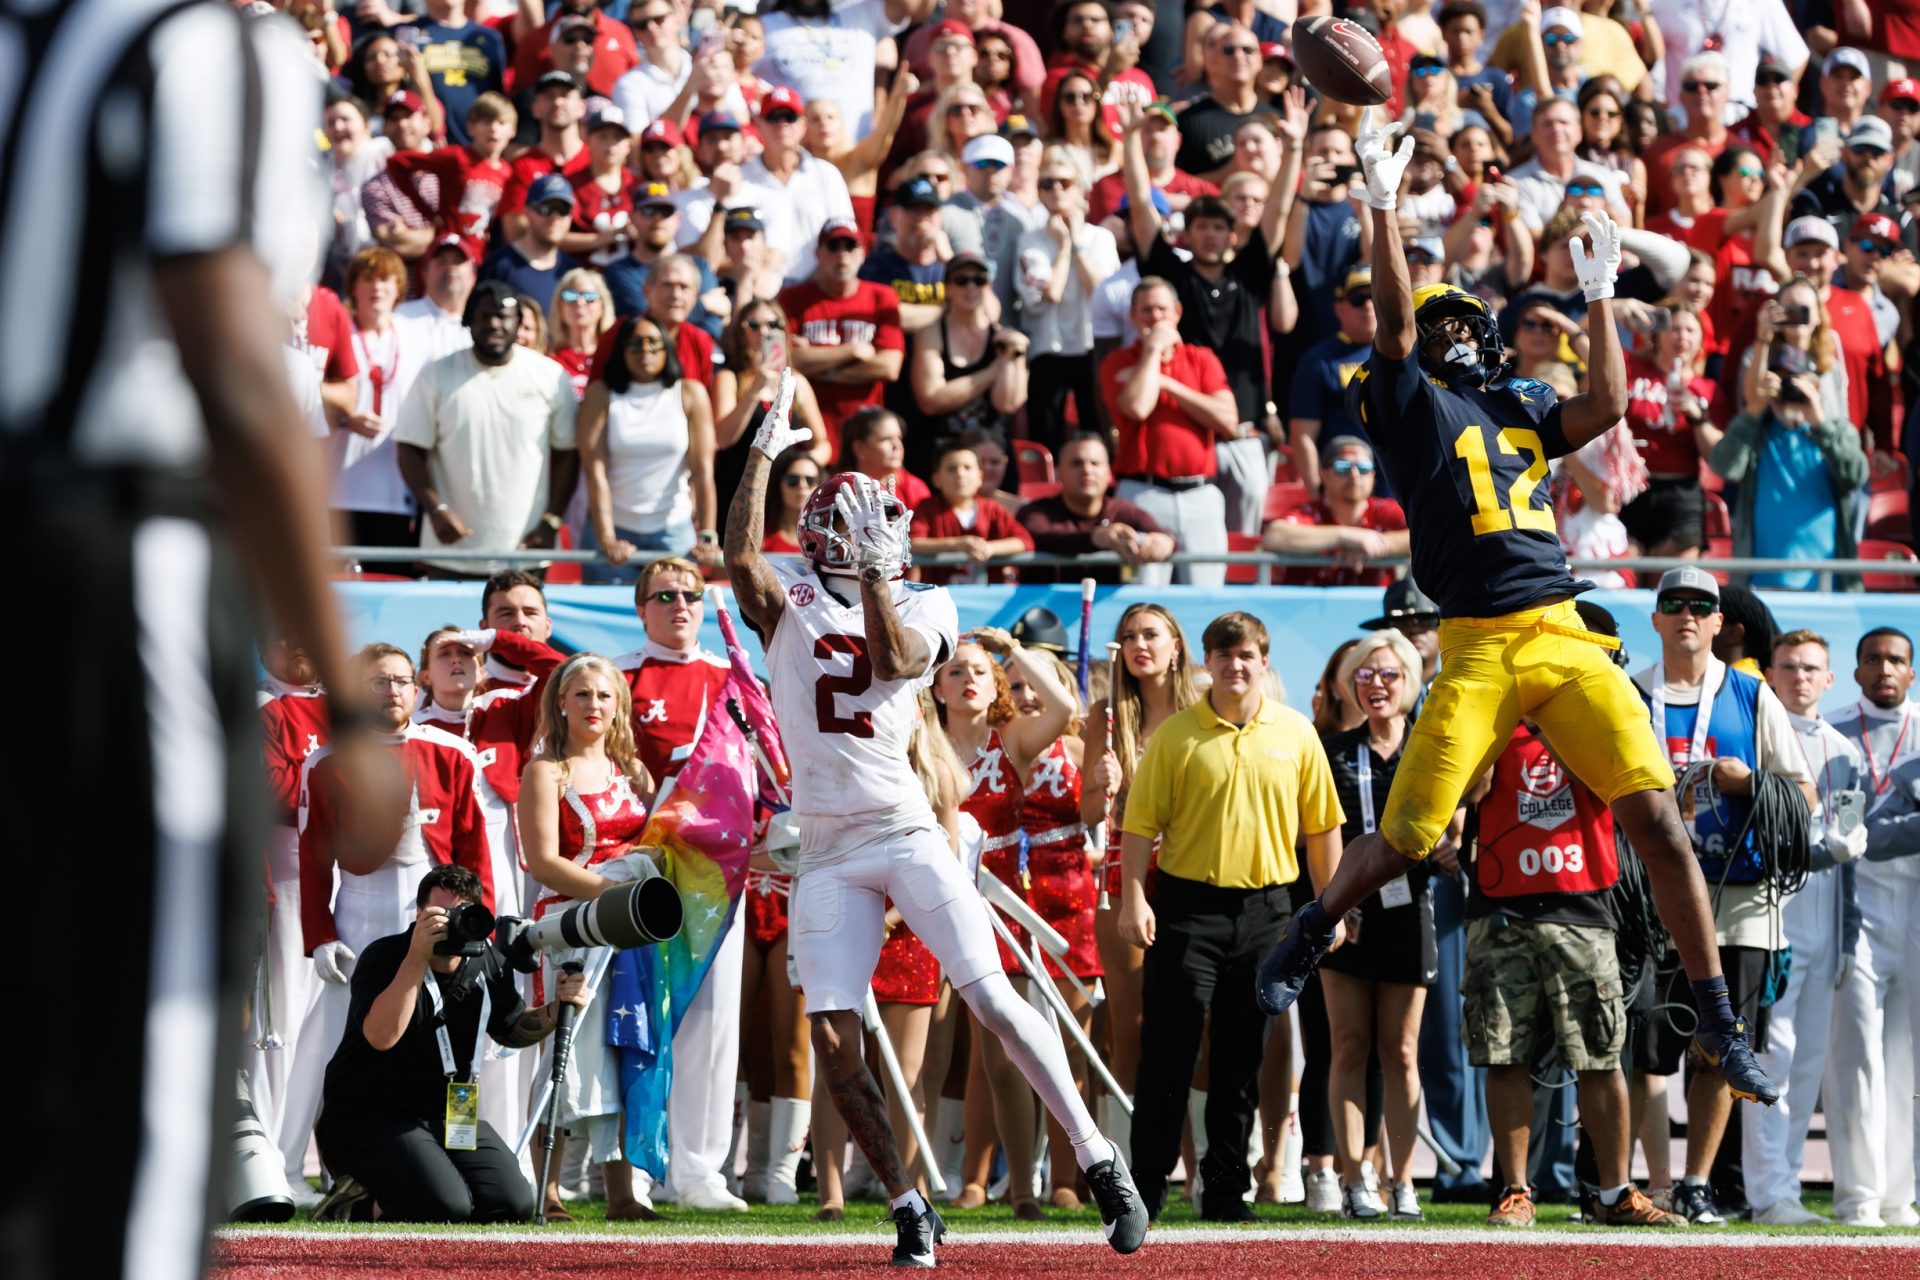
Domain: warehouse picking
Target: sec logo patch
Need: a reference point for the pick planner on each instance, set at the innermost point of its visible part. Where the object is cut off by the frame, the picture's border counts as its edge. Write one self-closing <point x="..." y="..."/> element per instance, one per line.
<point x="801" y="593"/>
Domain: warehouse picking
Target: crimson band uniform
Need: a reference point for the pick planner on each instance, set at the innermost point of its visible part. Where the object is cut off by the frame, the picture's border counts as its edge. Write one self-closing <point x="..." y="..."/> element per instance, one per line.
<point x="293" y="726"/>
<point x="444" y="823"/>
<point x="673" y="693"/>
<point x="994" y="803"/>
<point x="1062" y="886"/>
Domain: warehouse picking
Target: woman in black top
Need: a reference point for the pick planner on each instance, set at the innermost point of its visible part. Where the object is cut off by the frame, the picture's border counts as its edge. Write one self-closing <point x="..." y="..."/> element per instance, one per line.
<point x="969" y="371"/>
<point x="1376" y="985"/>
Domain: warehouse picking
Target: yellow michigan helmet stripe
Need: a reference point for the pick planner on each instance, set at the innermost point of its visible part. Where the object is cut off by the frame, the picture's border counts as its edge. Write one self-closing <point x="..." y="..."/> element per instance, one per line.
<point x="1446" y="298"/>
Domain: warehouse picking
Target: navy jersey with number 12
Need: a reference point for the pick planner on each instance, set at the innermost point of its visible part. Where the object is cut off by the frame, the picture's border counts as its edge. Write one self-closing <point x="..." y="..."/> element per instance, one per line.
<point x="1470" y="466"/>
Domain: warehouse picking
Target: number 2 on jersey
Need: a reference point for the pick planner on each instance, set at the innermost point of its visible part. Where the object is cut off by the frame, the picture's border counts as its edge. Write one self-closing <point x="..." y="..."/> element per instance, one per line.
<point x="856" y="682"/>
<point x="1489" y="516"/>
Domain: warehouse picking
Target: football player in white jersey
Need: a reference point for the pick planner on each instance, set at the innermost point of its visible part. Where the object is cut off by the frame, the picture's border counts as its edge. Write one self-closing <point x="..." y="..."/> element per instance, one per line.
<point x="849" y="647"/>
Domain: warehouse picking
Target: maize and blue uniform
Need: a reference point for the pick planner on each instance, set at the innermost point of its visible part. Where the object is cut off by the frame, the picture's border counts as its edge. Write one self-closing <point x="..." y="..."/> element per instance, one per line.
<point x="1471" y="464"/>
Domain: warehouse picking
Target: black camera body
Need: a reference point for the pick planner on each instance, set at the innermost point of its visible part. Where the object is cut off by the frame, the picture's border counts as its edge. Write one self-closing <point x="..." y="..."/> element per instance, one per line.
<point x="469" y="925"/>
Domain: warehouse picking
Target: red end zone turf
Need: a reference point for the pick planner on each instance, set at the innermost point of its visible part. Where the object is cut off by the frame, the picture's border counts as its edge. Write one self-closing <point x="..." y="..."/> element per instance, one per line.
<point x="401" y="1257"/>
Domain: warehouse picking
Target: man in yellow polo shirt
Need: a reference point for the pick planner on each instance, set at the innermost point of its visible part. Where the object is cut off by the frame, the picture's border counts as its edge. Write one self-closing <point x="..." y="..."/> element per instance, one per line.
<point x="1228" y="786"/>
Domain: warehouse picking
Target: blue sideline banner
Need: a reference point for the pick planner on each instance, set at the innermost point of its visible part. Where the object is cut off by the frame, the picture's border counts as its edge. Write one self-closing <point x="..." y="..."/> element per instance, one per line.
<point x="1306" y="623"/>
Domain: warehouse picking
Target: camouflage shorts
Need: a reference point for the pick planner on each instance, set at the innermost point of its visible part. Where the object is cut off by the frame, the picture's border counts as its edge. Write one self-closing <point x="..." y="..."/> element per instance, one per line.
<point x="1526" y="982"/>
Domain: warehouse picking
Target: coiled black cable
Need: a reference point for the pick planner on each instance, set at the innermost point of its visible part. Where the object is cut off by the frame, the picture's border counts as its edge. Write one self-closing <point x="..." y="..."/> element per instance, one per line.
<point x="1778" y="821"/>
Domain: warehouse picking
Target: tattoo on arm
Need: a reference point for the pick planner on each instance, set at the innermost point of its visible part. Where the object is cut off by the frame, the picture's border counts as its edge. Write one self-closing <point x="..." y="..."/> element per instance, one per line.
<point x="754" y="584"/>
<point x="897" y="653"/>
<point x="531" y="1027"/>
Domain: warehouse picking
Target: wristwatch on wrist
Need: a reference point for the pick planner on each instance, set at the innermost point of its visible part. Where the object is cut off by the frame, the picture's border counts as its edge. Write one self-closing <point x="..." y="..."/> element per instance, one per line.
<point x="552" y="521"/>
<point x="708" y="538"/>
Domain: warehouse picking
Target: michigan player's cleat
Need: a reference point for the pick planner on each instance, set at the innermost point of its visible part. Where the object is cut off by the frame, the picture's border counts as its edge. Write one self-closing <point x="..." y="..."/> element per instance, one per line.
<point x="1732" y="1056"/>
<point x="1284" y="973"/>
<point x="1633" y="1210"/>
<point x="1123" y="1215"/>
<point x="917" y="1231"/>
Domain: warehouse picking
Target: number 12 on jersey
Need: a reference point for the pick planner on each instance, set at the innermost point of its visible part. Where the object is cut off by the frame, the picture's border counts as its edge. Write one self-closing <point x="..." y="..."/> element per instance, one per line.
<point x="1489" y="516"/>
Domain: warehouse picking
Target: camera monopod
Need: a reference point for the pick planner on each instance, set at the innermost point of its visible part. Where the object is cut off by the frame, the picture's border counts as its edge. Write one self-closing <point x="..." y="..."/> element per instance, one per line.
<point x="562" y="1050"/>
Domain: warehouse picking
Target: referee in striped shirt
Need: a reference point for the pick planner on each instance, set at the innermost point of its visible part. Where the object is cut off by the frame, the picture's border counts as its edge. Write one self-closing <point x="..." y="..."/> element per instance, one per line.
<point x="155" y="183"/>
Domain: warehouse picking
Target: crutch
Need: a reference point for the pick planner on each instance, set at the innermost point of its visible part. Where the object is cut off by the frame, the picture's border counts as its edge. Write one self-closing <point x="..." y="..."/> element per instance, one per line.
<point x="546" y="1098"/>
<point x="1061" y="1013"/>
<point x="897" y="1079"/>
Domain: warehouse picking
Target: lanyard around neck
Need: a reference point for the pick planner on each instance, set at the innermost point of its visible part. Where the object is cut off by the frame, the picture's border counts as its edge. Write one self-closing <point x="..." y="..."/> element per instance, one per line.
<point x="445" y="1041"/>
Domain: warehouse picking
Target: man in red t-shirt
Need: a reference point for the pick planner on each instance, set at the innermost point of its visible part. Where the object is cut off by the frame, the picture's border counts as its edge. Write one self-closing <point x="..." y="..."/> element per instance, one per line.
<point x="1776" y="122"/>
<point x="614" y="53"/>
<point x="1347" y="521"/>
<point x="1705" y="129"/>
<point x="1160" y="137"/>
<point x="1170" y="401"/>
<point x="562" y="148"/>
<point x="844" y="332"/>
<point x="472" y="177"/>
<point x="1083" y="37"/>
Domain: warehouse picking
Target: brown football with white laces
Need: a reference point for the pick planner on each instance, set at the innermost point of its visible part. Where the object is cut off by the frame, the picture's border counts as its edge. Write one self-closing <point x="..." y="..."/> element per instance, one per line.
<point x="1342" y="60"/>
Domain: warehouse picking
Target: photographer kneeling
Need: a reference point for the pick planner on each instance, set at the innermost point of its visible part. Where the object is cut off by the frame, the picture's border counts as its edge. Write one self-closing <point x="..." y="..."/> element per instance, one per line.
<point x="400" y="1121"/>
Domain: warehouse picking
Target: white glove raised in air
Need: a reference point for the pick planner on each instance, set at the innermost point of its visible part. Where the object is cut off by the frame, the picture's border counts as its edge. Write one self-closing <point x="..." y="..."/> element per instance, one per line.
<point x="1381" y="165"/>
<point x="333" y="963"/>
<point x="777" y="432"/>
<point x="1850" y="847"/>
<point x="1597" y="271"/>
<point x="478" y="641"/>
<point x="880" y="545"/>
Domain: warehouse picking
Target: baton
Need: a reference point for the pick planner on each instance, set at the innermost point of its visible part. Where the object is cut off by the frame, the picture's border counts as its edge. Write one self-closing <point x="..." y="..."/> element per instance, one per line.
<point x="1100" y="827"/>
<point x="898" y="1079"/>
<point x="1060" y="1011"/>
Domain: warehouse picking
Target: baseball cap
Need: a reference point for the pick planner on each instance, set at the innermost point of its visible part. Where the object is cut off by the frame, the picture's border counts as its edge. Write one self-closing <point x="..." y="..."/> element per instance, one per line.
<point x="663" y="131"/>
<point x="744" y="218"/>
<point x="654" y="193"/>
<point x="840" y="229"/>
<point x="780" y="98"/>
<point x="1161" y="204"/>
<point x="1271" y="49"/>
<point x="566" y="23"/>
<point x="1875" y="226"/>
<point x="405" y="100"/>
<point x="468" y="249"/>
<point x="1771" y="70"/>
<point x="556" y="80"/>
<point x="1019" y="126"/>
<point x="969" y="259"/>
<point x="547" y="189"/>
<point x="986" y="149"/>
<point x="608" y="117"/>
<point x="1356" y="279"/>
<point x="1430" y="247"/>
<point x="1403" y="602"/>
<point x="1905" y="89"/>
<point x="1164" y="109"/>
<point x="1801" y="230"/>
<point x="918" y="192"/>
<point x="1871" y="131"/>
<point x="721" y="120"/>
<point x="1561" y="16"/>
<point x="1844" y="57"/>
<point x="1688" y="578"/>
<point x="951" y="30"/>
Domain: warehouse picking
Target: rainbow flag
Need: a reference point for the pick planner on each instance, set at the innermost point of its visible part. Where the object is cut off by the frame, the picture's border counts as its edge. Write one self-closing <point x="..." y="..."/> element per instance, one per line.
<point x="704" y="821"/>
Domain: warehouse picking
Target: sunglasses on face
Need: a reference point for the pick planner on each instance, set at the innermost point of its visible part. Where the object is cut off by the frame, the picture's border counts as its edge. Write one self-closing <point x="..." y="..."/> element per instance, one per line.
<point x="1702" y="86"/>
<point x="1698" y="608"/>
<point x="640" y="23"/>
<point x="553" y="209"/>
<point x="1385" y="675"/>
<point x="760" y="326"/>
<point x="670" y="597"/>
<point x="1539" y="326"/>
<point x="577" y="37"/>
<point x="1602" y="113"/>
<point x="964" y="108"/>
<point x="1421" y="73"/>
<point x="1351" y="466"/>
<point x="780" y="117"/>
<point x="1592" y="190"/>
<point x="841" y="246"/>
<point x="579" y="295"/>
<point x="1747" y="171"/>
<point x="988" y="166"/>
<point x="647" y="346"/>
<point x="1867" y="151"/>
<point x="1904" y="104"/>
<point x="1076" y="97"/>
<point x="968" y="282"/>
<point x="1769" y="81"/>
<point x="1055" y="184"/>
<point x="1553" y="38"/>
<point x="1361" y="298"/>
<point x="1871" y="246"/>
<point x="794" y="480"/>
<point x="656" y="211"/>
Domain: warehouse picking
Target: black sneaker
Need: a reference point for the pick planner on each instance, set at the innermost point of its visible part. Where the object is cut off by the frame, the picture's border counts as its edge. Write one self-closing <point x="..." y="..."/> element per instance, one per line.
<point x="345" y="1201"/>
<point x="1123" y="1214"/>
<point x="1284" y="973"/>
<point x="1694" y="1202"/>
<point x="1732" y="1055"/>
<point x="917" y="1233"/>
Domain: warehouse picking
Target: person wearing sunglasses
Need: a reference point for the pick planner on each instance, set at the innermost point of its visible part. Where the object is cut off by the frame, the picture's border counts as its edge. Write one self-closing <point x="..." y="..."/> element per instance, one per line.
<point x="1207" y="125"/>
<point x="794" y="477"/>
<point x="756" y="351"/>
<point x="646" y="440"/>
<point x="533" y="262"/>
<point x="1740" y="35"/>
<point x="1316" y="402"/>
<point x="1058" y="268"/>
<point x="814" y="190"/>
<point x="1708" y="713"/>
<point x="1542" y="181"/>
<point x="969" y="370"/>
<point x="1705" y="129"/>
<point x="1857" y="185"/>
<point x="578" y="317"/>
<point x="1347" y="522"/>
<point x="1872" y="247"/>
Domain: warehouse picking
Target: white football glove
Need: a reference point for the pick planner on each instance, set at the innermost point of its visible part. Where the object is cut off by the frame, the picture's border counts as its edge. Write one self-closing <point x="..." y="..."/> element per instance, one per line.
<point x="1379" y="162"/>
<point x="333" y="963"/>
<point x="1848" y="848"/>
<point x="878" y="543"/>
<point x="777" y="433"/>
<point x="1598" y="271"/>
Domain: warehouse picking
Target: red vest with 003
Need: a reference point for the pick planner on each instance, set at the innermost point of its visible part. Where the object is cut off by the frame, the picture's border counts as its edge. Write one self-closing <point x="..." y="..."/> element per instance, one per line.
<point x="1541" y="829"/>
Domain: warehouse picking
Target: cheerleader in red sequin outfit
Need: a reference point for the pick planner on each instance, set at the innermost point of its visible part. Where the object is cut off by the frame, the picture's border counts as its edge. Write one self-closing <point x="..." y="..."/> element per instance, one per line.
<point x="1062" y="889"/>
<point x="1152" y="680"/>
<point x="976" y="707"/>
<point x="906" y="985"/>
<point x="583" y="803"/>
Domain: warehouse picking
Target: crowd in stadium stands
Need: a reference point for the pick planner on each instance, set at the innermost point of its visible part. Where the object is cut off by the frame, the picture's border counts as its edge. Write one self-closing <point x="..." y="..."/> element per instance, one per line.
<point x="1092" y="275"/>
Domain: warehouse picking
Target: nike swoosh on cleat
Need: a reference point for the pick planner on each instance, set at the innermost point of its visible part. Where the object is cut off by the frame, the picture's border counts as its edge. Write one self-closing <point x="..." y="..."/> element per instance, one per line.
<point x="1107" y="1228"/>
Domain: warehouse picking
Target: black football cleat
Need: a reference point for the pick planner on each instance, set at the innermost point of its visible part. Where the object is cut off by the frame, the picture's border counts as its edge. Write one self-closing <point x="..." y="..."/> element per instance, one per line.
<point x="917" y="1232"/>
<point x="1284" y="973"/>
<point x="1123" y="1214"/>
<point x="1729" y="1052"/>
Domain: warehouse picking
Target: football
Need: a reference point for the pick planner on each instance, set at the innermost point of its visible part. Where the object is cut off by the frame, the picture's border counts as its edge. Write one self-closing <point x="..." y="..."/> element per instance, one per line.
<point x="1343" y="61"/>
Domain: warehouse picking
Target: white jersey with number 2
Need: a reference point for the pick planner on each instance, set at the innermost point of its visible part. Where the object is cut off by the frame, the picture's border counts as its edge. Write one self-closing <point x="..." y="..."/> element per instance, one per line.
<point x="845" y="729"/>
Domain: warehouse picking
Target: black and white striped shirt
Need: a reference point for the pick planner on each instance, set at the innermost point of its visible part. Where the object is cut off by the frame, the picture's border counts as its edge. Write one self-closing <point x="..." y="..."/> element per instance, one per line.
<point x="132" y="131"/>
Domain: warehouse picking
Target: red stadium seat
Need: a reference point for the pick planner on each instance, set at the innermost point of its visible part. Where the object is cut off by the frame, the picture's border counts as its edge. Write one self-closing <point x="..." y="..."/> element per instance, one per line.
<point x="1034" y="490"/>
<point x="1882" y="549"/>
<point x="1895" y="478"/>
<point x="563" y="572"/>
<point x="1887" y="516"/>
<point x="1282" y="498"/>
<point x="1244" y="573"/>
<point x="1283" y="471"/>
<point x="1717" y="520"/>
<point x="1720" y="548"/>
<point x="1034" y="463"/>
<point x="1710" y="479"/>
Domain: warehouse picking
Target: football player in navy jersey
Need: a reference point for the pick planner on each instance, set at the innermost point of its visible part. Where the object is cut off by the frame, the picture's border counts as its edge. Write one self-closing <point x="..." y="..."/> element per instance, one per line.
<point x="1469" y="448"/>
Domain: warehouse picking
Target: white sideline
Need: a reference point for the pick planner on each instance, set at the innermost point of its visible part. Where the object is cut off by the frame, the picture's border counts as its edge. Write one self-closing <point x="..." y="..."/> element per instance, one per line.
<point x="1701" y="1238"/>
